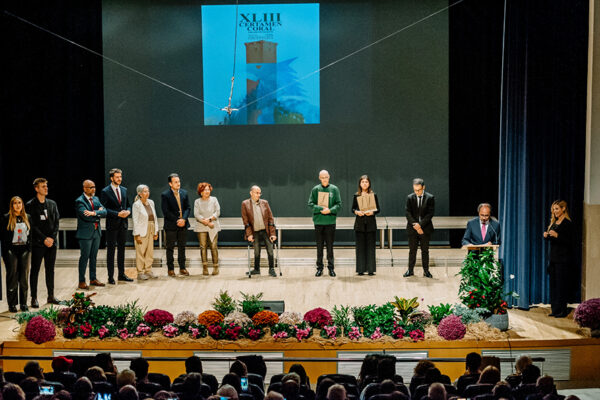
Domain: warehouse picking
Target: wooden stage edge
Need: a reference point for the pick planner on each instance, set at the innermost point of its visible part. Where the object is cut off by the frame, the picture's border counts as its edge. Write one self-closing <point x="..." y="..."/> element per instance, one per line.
<point x="584" y="353"/>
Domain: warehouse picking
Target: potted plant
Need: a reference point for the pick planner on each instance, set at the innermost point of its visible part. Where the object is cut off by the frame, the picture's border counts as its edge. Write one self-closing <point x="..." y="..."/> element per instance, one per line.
<point x="587" y="315"/>
<point x="481" y="286"/>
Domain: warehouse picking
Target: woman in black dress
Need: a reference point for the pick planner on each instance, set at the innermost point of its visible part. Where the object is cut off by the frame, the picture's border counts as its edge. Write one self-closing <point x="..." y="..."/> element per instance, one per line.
<point x="365" y="227"/>
<point x="561" y="235"/>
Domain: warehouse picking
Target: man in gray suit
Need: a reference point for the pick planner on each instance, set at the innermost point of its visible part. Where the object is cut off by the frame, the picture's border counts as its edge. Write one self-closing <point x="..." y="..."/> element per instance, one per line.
<point x="89" y="211"/>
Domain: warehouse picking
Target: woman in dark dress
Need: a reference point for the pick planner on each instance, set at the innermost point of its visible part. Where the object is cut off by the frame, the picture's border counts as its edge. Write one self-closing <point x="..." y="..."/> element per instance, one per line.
<point x="561" y="235"/>
<point x="16" y="252"/>
<point x="365" y="227"/>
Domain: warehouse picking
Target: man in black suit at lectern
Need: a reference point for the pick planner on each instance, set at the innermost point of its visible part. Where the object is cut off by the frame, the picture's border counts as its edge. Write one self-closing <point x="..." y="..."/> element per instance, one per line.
<point x="420" y="207"/>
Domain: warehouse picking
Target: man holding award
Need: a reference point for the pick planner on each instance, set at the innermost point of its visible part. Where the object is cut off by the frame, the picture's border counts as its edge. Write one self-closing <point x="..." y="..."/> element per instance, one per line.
<point x="325" y="202"/>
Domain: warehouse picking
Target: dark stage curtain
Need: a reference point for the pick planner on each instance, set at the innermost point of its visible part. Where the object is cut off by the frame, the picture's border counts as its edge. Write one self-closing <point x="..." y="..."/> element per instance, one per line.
<point x="542" y="136"/>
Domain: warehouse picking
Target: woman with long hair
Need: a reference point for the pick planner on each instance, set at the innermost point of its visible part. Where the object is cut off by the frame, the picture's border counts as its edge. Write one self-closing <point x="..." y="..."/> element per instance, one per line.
<point x="561" y="235"/>
<point x="145" y="232"/>
<point x="16" y="252"/>
<point x="207" y="211"/>
<point x="365" y="226"/>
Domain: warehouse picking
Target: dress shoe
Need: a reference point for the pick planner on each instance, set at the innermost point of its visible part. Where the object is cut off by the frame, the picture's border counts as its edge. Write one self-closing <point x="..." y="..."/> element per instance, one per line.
<point x="184" y="272"/>
<point x="332" y="272"/>
<point x="112" y="281"/>
<point x="125" y="278"/>
<point x="83" y="286"/>
<point x="408" y="273"/>
<point x="371" y="273"/>
<point x="563" y="314"/>
<point x="96" y="282"/>
<point x="24" y="308"/>
<point x="171" y="273"/>
<point x="427" y="274"/>
<point x="272" y="272"/>
<point x="34" y="303"/>
<point x="12" y="309"/>
<point x="52" y="300"/>
<point x="360" y="273"/>
<point x="552" y="314"/>
<point x="319" y="272"/>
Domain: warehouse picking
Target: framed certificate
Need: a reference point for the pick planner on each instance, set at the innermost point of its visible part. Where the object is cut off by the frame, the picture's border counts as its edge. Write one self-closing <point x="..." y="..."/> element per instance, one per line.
<point x="323" y="199"/>
<point x="366" y="202"/>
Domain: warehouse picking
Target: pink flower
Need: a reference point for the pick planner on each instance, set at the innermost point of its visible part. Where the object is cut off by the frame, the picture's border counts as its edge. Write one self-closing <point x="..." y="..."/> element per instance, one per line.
<point x="233" y="331"/>
<point x="280" y="335"/>
<point x="398" y="332"/>
<point x="102" y="332"/>
<point x="301" y="333"/>
<point x="254" y="334"/>
<point x="124" y="334"/>
<point x="354" y="333"/>
<point x="330" y="332"/>
<point x="377" y="334"/>
<point x="170" y="330"/>
<point x="142" y="330"/>
<point x="40" y="330"/>
<point x="417" y="335"/>
<point x="318" y="317"/>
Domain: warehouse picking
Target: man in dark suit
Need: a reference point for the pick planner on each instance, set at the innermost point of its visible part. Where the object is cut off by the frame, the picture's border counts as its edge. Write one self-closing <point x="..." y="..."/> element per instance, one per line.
<point x="89" y="210"/>
<point x="420" y="207"/>
<point x="482" y="229"/>
<point x="176" y="208"/>
<point x="118" y="208"/>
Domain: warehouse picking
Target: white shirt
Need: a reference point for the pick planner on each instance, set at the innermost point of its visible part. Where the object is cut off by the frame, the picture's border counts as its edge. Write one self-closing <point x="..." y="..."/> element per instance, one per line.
<point x="116" y="190"/>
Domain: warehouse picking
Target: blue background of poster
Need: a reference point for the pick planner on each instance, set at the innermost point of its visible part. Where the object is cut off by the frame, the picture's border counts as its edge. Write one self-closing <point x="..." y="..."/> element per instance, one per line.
<point x="297" y="56"/>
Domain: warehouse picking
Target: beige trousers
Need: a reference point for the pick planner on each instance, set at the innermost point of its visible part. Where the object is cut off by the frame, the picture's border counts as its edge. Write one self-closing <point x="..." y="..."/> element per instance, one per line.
<point x="144" y="253"/>
<point x="204" y="240"/>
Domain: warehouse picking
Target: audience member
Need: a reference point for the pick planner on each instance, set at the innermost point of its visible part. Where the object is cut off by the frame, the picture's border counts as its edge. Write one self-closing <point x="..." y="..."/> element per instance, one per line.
<point x="164" y="395"/>
<point x="522" y="362"/>
<point x="368" y="370"/>
<point x="95" y="374"/>
<point x="418" y="377"/>
<point x="61" y="364"/>
<point x="530" y="374"/>
<point x="299" y="369"/>
<point x="239" y="368"/>
<point x="140" y="367"/>
<point x="10" y="391"/>
<point x="436" y="391"/>
<point x="32" y="368"/>
<point x="502" y="390"/>
<point x="489" y="375"/>
<point x="232" y="380"/>
<point x="191" y="386"/>
<point x="290" y="389"/>
<point x="274" y="396"/>
<point x="336" y="392"/>
<point x="61" y="395"/>
<point x="472" y="372"/>
<point x="82" y="390"/>
<point x="128" y="392"/>
<point x="323" y="388"/>
<point x="227" y="391"/>
<point x="125" y="377"/>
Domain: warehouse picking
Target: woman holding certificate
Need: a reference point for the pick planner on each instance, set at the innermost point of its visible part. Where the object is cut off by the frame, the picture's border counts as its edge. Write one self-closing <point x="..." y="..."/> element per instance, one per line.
<point x="365" y="205"/>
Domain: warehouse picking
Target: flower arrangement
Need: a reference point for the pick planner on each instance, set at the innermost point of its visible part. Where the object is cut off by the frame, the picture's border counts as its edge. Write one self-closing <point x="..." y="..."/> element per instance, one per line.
<point x="210" y="317"/>
<point x="265" y="318"/>
<point x="329" y="332"/>
<point x="318" y="317"/>
<point x="185" y="318"/>
<point x="214" y="331"/>
<point x="354" y="333"/>
<point x="85" y="330"/>
<point x="587" y="314"/>
<point x="376" y="334"/>
<point x="290" y="318"/>
<point x="197" y="331"/>
<point x="232" y="331"/>
<point x="158" y="318"/>
<point x="103" y="332"/>
<point x="254" y="333"/>
<point x="142" y="330"/>
<point x="280" y="335"/>
<point x="398" y="332"/>
<point x="238" y="318"/>
<point x="40" y="330"/>
<point x="417" y="335"/>
<point x="171" y="330"/>
<point x="302" y="331"/>
<point x="452" y="328"/>
<point x="124" y="333"/>
<point x="70" y="331"/>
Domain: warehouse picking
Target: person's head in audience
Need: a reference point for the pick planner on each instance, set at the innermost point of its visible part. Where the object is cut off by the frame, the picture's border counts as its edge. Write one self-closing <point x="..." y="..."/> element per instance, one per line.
<point x="164" y="395"/>
<point x="192" y="383"/>
<point x="502" y="390"/>
<point x="545" y="385"/>
<point x="61" y="395"/>
<point x="193" y="364"/>
<point x="397" y="395"/>
<point x="82" y="389"/>
<point x="490" y="374"/>
<point x="336" y="392"/>
<point x="96" y="374"/>
<point x="368" y="367"/>
<point x="386" y="368"/>
<point x="522" y="362"/>
<point x="128" y="392"/>
<point x="239" y="368"/>
<point x="10" y="391"/>
<point x="232" y="380"/>
<point x="436" y="391"/>
<point x="472" y="363"/>
<point x="290" y="389"/>
<point x="105" y="361"/>
<point x="572" y="397"/>
<point x="31" y="384"/>
<point x="32" y="368"/>
<point x="433" y="375"/>
<point x="387" y="386"/>
<point x="125" y="377"/>
<point x="299" y="369"/>
<point x="292" y="376"/>
<point x="530" y="374"/>
<point x="422" y="367"/>
<point x="227" y="391"/>
<point x="140" y="367"/>
<point x="272" y="395"/>
<point x="61" y="364"/>
<point x="323" y="387"/>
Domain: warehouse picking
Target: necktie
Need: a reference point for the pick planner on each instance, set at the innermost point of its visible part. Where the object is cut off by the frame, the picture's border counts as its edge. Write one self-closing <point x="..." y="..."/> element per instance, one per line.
<point x="419" y="201"/>
<point x="93" y="209"/>
<point x="118" y="191"/>
<point x="483" y="231"/>
<point x="178" y="203"/>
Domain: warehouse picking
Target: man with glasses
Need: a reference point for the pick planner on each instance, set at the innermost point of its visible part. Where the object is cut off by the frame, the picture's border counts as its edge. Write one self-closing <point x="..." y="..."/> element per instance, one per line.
<point x="483" y="229"/>
<point x="420" y="207"/>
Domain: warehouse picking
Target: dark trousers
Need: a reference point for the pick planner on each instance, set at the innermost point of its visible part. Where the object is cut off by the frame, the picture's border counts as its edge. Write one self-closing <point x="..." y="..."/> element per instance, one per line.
<point x="48" y="254"/>
<point x="115" y="238"/>
<point x="89" y="252"/>
<point x="365" y="251"/>
<point x="559" y="287"/>
<point x="178" y="236"/>
<point x="17" y="261"/>
<point x="414" y="240"/>
<point x="261" y="236"/>
<point x="325" y="234"/>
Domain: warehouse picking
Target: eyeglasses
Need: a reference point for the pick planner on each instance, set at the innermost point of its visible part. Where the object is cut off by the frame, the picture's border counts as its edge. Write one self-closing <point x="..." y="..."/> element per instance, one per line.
<point x="90" y="187"/>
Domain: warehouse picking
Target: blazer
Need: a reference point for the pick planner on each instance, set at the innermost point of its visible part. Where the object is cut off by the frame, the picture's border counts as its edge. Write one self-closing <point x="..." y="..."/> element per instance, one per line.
<point x="364" y="223"/>
<point x="170" y="209"/>
<point x="7" y="236"/>
<point x="423" y="215"/>
<point x="473" y="232"/>
<point x="140" y="218"/>
<point x="248" y="217"/>
<point x="86" y="225"/>
<point x="562" y="247"/>
<point x="111" y="203"/>
<point x="35" y="208"/>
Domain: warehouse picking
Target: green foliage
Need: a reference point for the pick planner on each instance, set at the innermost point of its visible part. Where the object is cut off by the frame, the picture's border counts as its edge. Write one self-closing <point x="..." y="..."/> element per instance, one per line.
<point x="224" y="303"/>
<point x="251" y="303"/>
<point x="341" y="317"/>
<point x="370" y="317"/>
<point x="469" y="315"/>
<point x="78" y="307"/>
<point x="405" y="307"/>
<point x="439" y="312"/>
<point x="128" y="316"/>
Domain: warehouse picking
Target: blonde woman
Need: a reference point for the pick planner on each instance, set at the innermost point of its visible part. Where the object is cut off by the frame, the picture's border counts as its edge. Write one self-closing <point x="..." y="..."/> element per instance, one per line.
<point x="16" y="252"/>
<point x="145" y="232"/>
<point x="207" y="211"/>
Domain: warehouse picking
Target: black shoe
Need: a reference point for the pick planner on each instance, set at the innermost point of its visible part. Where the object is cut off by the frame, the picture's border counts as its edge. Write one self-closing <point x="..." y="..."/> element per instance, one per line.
<point x="53" y="300"/>
<point x="34" y="303"/>
<point x="331" y="272"/>
<point x="371" y="273"/>
<point x="125" y="278"/>
<point x="12" y="309"/>
<point x="361" y="273"/>
<point x="563" y="314"/>
<point x="427" y="274"/>
<point x="552" y="314"/>
<point x="408" y="273"/>
<point x="319" y="272"/>
<point x="272" y="272"/>
<point x="255" y="271"/>
<point x="112" y="281"/>
<point x="24" y="308"/>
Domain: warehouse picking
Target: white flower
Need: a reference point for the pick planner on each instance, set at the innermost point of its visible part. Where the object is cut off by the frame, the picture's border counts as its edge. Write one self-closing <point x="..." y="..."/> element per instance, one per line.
<point x="290" y="318"/>
<point x="237" y="317"/>
<point x="184" y="318"/>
